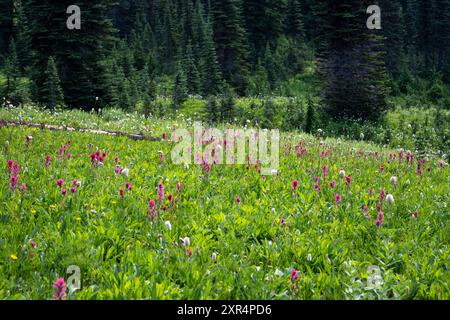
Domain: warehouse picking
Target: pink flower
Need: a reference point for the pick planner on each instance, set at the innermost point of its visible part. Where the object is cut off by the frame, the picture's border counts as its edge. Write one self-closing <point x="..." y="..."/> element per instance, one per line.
<point x="13" y="182"/>
<point x="382" y="194"/>
<point x="32" y="243"/>
<point x="69" y="156"/>
<point x="48" y="160"/>
<point x="325" y="171"/>
<point x="415" y="214"/>
<point x="179" y="186"/>
<point x="60" y="182"/>
<point x="64" y="192"/>
<point x="164" y="136"/>
<point x="332" y="183"/>
<point x="238" y="200"/>
<point x="76" y="183"/>
<point x="283" y="221"/>
<point x="337" y="199"/>
<point x="317" y="187"/>
<point x="295" y="184"/>
<point x="152" y="211"/>
<point x="382" y="168"/>
<point x="294" y="276"/>
<point x="164" y="208"/>
<point x="60" y="289"/>
<point x="366" y="208"/>
<point x="161" y="192"/>
<point x="169" y="197"/>
<point x="121" y="192"/>
<point x="23" y="187"/>
<point x="73" y="190"/>
<point x="189" y="253"/>
<point x="379" y="222"/>
<point x="128" y="186"/>
<point x="348" y="180"/>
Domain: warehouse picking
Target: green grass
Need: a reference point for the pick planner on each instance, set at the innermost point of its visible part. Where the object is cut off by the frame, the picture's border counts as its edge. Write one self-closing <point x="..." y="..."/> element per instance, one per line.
<point x="123" y="255"/>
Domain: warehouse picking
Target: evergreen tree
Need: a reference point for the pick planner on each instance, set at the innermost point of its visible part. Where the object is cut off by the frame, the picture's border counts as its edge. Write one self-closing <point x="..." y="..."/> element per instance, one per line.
<point x="6" y="24"/>
<point x="351" y="61"/>
<point x="11" y="90"/>
<point x="180" y="92"/>
<point x="209" y="65"/>
<point x="212" y="110"/>
<point x="22" y="35"/>
<point x="192" y="73"/>
<point x="52" y="92"/>
<point x="230" y="39"/>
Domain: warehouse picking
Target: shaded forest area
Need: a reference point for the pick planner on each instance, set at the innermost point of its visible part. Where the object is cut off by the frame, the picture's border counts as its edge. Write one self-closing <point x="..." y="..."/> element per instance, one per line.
<point x="129" y="53"/>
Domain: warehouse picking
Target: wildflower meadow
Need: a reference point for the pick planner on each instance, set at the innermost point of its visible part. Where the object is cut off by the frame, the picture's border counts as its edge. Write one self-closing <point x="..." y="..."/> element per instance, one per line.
<point x="336" y="220"/>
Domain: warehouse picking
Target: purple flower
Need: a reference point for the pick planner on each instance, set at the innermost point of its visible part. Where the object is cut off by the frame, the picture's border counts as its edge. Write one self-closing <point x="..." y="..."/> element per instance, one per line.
<point x="294" y="276"/>
<point x="60" y="182"/>
<point x="161" y="192"/>
<point x="332" y="183"/>
<point x="337" y="199"/>
<point x="60" y="289"/>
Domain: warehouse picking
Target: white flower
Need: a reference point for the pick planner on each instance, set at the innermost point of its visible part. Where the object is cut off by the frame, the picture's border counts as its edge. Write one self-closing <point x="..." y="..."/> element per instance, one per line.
<point x="125" y="172"/>
<point x="186" y="241"/>
<point x="168" y="225"/>
<point x="408" y="181"/>
<point x="279" y="273"/>
<point x="361" y="136"/>
<point x="393" y="180"/>
<point x="342" y="173"/>
<point x="274" y="172"/>
<point x="214" y="256"/>
<point x="390" y="199"/>
<point x="308" y="258"/>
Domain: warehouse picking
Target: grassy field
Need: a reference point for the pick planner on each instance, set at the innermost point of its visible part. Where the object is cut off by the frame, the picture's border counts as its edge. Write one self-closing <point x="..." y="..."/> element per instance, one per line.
<point x="249" y="236"/>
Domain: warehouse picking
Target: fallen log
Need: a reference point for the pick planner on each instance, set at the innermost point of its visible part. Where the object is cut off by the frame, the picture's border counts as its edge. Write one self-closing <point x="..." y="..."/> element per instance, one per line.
<point x="42" y="126"/>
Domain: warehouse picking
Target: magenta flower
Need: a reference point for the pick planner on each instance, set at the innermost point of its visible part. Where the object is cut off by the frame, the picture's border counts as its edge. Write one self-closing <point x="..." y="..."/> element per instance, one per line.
<point x="325" y="171"/>
<point x="76" y="183"/>
<point x="128" y="186"/>
<point x="294" y="276"/>
<point x="283" y="221"/>
<point x="116" y="160"/>
<point x="348" y="180"/>
<point x="161" y="192"/>
<point x="415" y="214"/>
<point x="317" y="187"/>
<point x="169" y="197"/>
<point x="32" y="243"/>
<point x="337" y="199"/>
<point x="60" y="289"/>
<point x="121" y="192"/>
<point x="332" y="183"/>
<point x="73" y="190"/>
<point x="366" y="209"/>
<point x="13" y="182"/>
<point x="48" y="160"/>
<point x="189" y="253"/>
<point x="60" y="182"/>
<point x="382" y="168"/>
<point x="152" y="211"/>
<point x="164" y="136"/>
<point x="69" y="156"/>
<point x="179" y="186"/>
<point x="64" y="192"/>
<point x="238" y="200"/>
<point x="295" y="184"/>
<point x="23" y="187"/>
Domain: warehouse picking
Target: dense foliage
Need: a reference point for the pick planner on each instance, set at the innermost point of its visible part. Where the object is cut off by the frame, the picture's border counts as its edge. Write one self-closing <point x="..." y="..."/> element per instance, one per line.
<point x="128" y="53"/>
